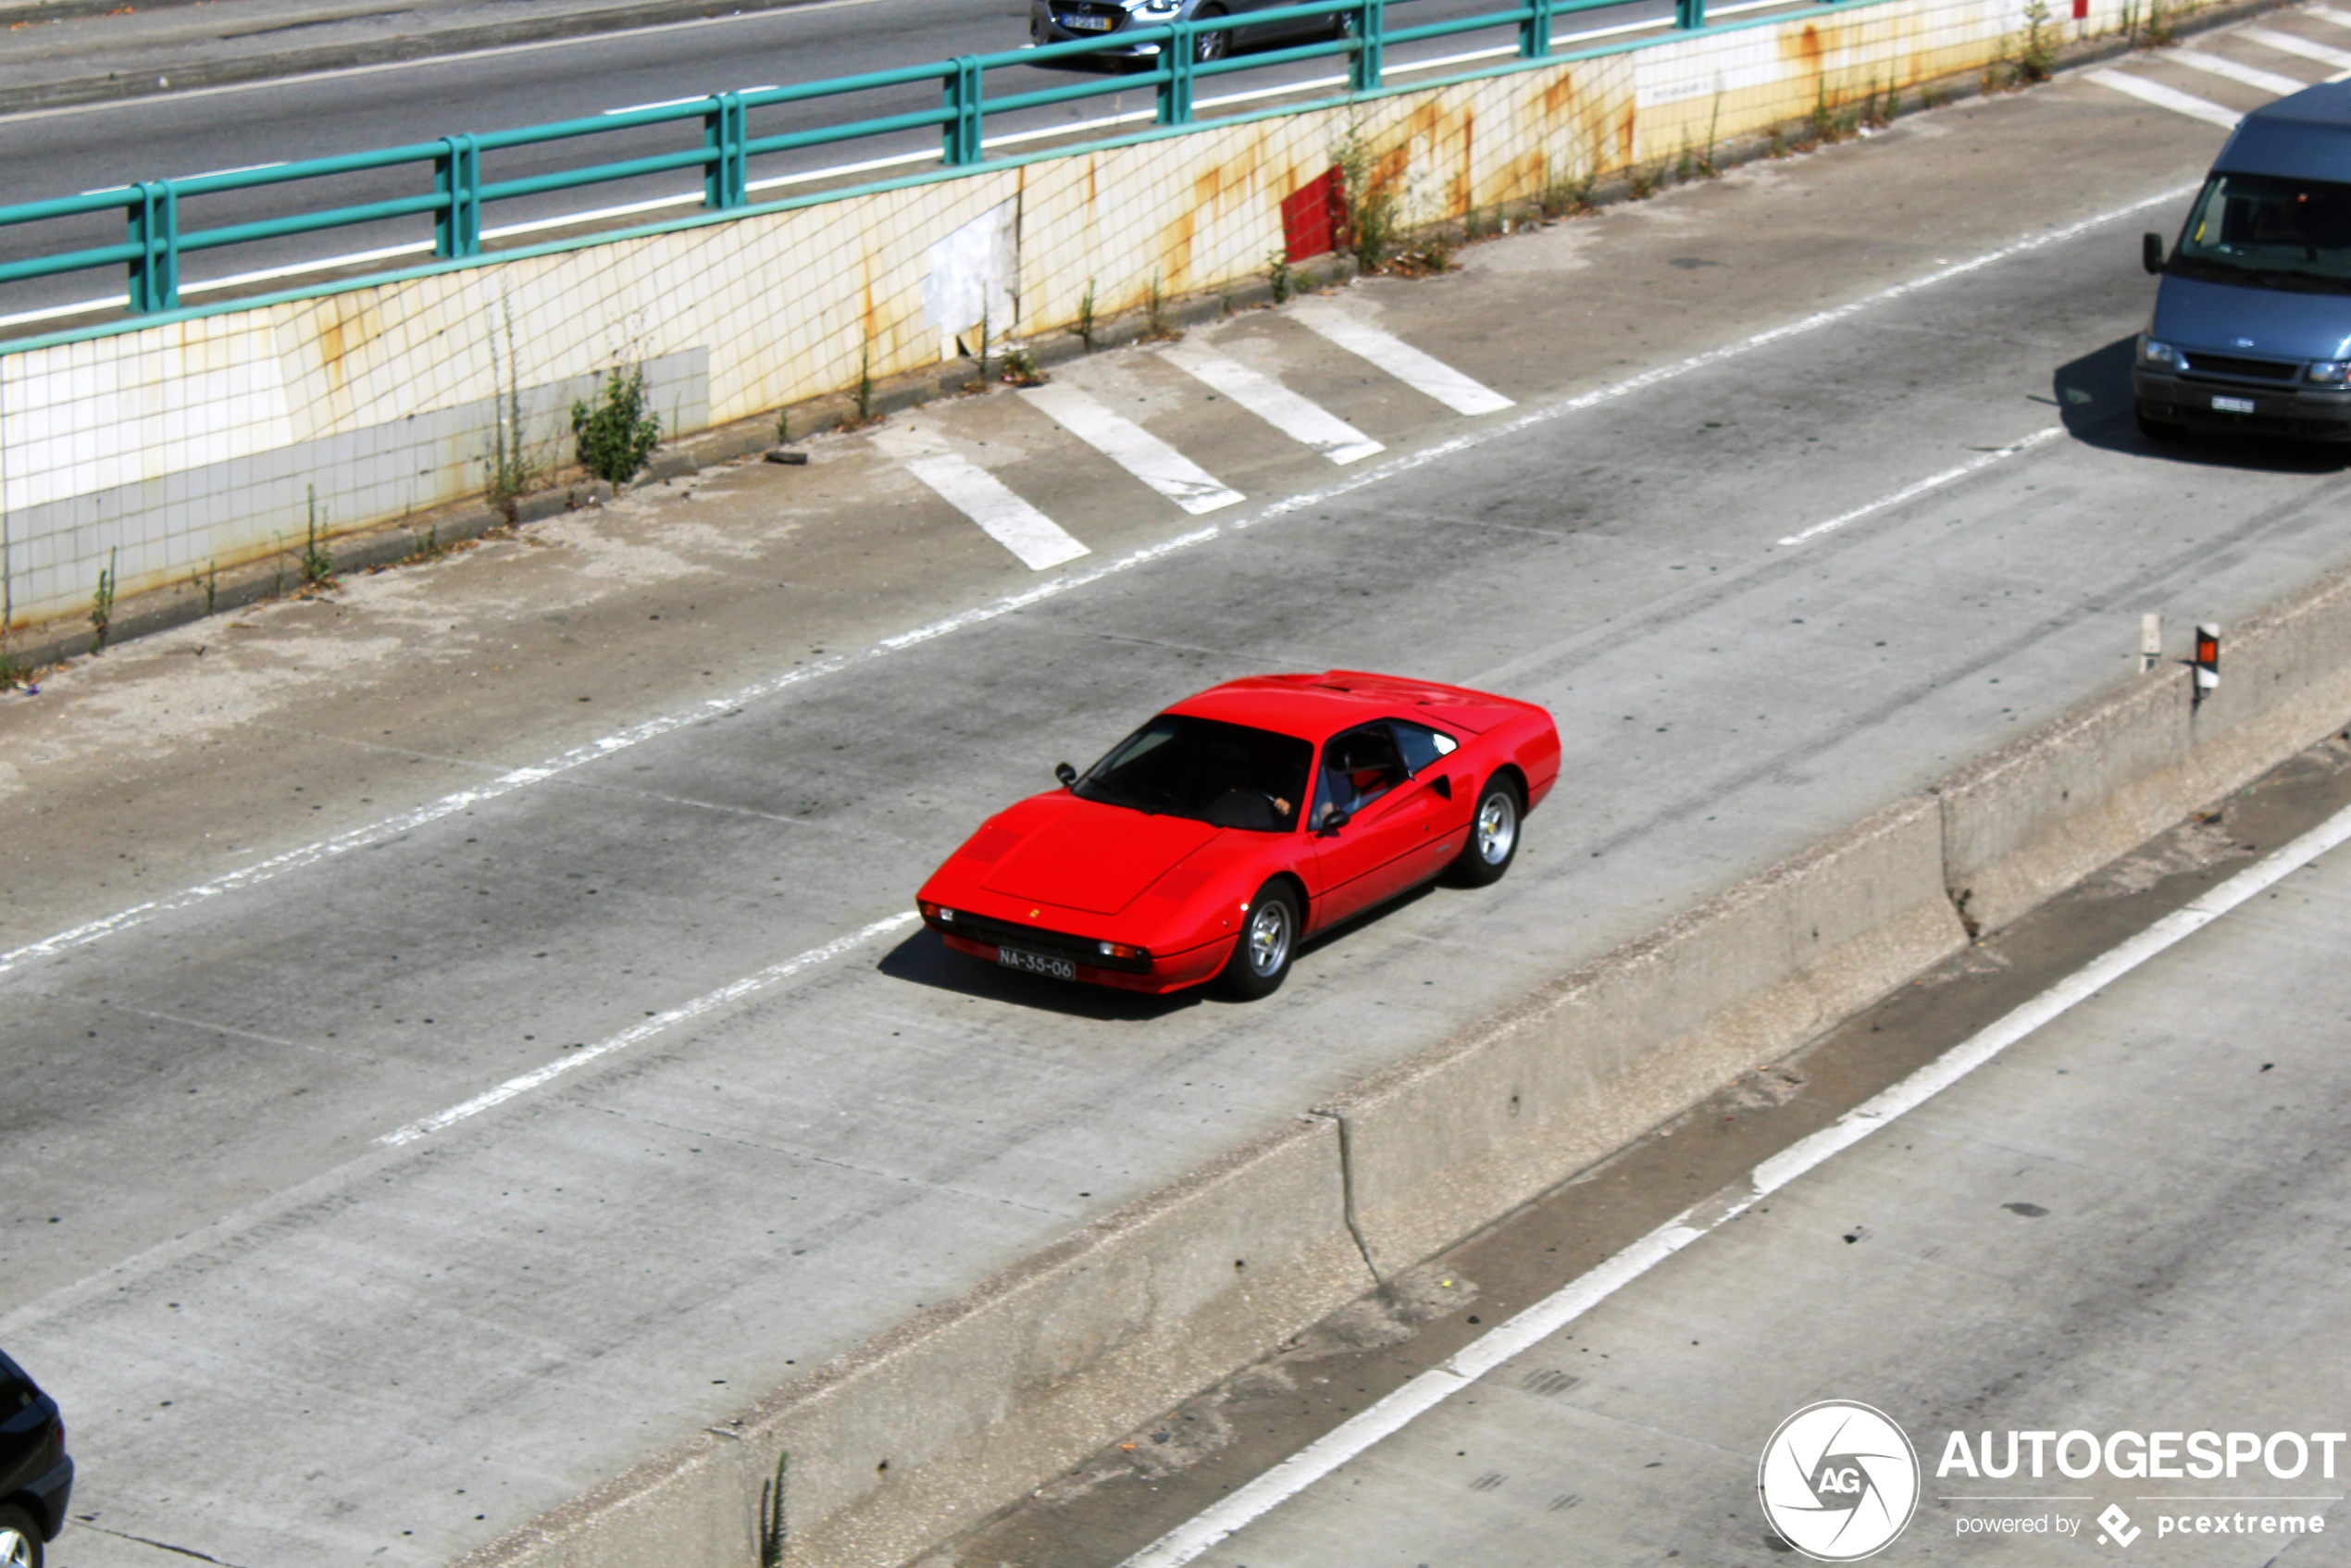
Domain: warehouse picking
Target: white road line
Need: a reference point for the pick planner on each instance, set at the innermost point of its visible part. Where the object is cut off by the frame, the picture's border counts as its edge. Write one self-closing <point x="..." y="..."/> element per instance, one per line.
<point x="2164" y="97"/>
<point x="1421" y="372"/>
<point x="749" y="985"/>
<point x="1933" y="481"/>
<point x="1133" y="449"/>
<point x="1294" y="415"/>
<point x="2287" y="44"/>
<point x="1321" y="496"/>
<point x="674" y="102"/>
<point x="2215" y="64"/>
<point x="1037" y="539"/>
<point x="1547" y="1317"/>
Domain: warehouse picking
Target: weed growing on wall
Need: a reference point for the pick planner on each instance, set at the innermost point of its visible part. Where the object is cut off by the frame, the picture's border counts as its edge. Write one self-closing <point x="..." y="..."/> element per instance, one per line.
<point x="1085" y="327"/>
<point x="512" y="471"/>
<point x="1156" y="326"/>
<point x="1277" y="275"/>
<point x="101" y="606"/>
<point x="1020" y="370"/>
<point x="1373" y="205"/>
<point x="12" y="674"/>
<point x="2037" y="54"/>
<point x="866" y="383"/>
<point x="616" y="432"/>
<point x="317" y="565"/>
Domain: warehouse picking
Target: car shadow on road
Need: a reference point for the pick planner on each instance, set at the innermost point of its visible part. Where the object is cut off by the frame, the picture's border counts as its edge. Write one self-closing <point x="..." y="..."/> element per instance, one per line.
<point x="924" y="960"/>
<point x="2092" y="397"/>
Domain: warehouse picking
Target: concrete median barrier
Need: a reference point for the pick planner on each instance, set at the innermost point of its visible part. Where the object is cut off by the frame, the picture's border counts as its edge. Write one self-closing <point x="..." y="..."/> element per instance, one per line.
<point x="1444" y="1144"/>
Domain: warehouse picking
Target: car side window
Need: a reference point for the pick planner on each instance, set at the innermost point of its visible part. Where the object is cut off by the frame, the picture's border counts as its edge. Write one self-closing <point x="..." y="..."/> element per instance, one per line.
<point x="1421" y="745"/>
<point x="1358" y="768"/>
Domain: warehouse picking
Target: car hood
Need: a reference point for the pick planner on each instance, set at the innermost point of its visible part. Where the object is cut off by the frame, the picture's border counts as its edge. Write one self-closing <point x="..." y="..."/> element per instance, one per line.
<point x="1083" y="854"/>
<point x="2193" y="314"/>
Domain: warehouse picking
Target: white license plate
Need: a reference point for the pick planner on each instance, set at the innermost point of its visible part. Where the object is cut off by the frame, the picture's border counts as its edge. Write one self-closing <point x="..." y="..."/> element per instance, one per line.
<point x="1084" y="24"/>
<point x="1036" y="963"/>
<point x="2232" y="405"/>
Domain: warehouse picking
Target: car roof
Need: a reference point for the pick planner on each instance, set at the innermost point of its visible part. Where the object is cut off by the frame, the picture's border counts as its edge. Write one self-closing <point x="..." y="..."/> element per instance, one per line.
<point x="1314" y="707"/>
<point x="2303" y="135"/>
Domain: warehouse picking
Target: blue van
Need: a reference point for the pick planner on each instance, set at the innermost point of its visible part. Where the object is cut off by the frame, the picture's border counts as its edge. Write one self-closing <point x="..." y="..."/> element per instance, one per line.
<point x="2252" y="327"/>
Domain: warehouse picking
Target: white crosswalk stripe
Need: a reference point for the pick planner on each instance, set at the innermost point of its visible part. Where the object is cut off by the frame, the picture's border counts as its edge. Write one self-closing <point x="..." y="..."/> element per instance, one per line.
<point x="979" y="495"/>
<point x="2287" y="44"/>
<point x="2170" y="98"/>
<point x="2251" y="75"/>
<point x="1420" y="371"/>
<point x="2329" y="14"/>
<point x="1133" y="449"/>
<point x="1294" y="415"/>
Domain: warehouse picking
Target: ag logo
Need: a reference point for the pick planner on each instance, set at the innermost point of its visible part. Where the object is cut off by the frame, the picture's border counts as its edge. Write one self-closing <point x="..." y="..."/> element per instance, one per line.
<point x="1838" y="1481"/>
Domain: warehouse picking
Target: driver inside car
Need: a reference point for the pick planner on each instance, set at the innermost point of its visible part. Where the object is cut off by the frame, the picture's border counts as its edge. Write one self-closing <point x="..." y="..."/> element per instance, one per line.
<point x="1358" y="768"/>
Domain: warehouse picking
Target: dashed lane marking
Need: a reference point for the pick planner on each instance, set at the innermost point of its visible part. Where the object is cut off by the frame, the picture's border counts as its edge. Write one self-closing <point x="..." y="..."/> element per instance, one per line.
<point x="1296" y="416"/>
<point x="2251" y="75"/>
<point x="1931" y="482"/>
<point x="1423" y="372"/>
<point x="2170" y="98"/>
<point x="1133" y="449"/>
<point x="1037" y="539"/>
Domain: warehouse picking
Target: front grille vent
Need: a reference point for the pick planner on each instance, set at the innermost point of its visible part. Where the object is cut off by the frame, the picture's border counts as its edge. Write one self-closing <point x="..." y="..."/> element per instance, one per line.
<point x="2246" y="369"/>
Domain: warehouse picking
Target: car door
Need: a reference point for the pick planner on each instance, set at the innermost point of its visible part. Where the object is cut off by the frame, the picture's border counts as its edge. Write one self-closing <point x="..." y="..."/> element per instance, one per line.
<point x="1374" y="823"/>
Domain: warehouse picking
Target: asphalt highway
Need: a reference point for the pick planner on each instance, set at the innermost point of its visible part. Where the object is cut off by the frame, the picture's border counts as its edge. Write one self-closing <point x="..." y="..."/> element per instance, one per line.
<point x="1818" y="480"/>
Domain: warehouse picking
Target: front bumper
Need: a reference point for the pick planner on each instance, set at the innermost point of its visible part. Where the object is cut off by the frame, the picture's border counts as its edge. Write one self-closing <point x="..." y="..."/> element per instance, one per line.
<point x="54" y="1491"/>
<point x="1063" y="22"/>
<point x="2295" y="409"/>
<point x="984" y="937"/>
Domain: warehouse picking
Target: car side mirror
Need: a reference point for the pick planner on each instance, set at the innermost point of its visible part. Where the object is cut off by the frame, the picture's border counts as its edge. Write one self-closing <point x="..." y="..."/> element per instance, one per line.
<point x="1066" y="774"/>
<point x="2151" y="251"/>
<point x="1443" y="785"/>
<point x="1333" y="822"/>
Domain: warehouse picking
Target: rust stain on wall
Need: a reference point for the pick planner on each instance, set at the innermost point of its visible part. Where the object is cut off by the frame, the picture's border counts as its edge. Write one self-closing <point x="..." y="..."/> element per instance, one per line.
<point x="346" y="323"/>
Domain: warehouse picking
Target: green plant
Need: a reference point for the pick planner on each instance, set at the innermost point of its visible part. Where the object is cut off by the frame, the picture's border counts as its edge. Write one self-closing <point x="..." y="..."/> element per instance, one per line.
<point x="317" y="565"/>
<point x="102" y="605"/>
<point x="866" y="383"/>
<point x="1374" y="205"/>
<point x="1641" y="183"/>
<point x="1085" y="328"/>
<point x="206" y="582"/>
<point x="2159" y="35"/>
<point x="1020" y="369"/>
<point x="1277" y="275"/>
<point x="1431" y="253"/>
<point x="618" y="433"/>
<point x="783" y="425"/>
<point x="2038" y="58"/>
<point x="1156" y="327"/>
<point x="979" y="355"/>
<point x="511" y="469"/>
<point x="431" y="547"/>
<point x="12" y="674"/>
<point x="772" y="1532"/>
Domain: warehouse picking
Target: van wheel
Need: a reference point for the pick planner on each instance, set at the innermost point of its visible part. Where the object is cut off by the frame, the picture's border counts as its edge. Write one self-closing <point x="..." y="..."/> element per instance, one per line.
<point x="2161" y="429"/>
<point x="19" y="1540"/>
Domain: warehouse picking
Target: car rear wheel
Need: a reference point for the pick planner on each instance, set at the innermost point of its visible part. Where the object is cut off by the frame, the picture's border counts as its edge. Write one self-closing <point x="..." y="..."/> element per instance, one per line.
<point x="1269" y="939"/>
<point x="1212" y="46"/>
<point x="19" y="1540"/>
<point x="1493" y="840"/>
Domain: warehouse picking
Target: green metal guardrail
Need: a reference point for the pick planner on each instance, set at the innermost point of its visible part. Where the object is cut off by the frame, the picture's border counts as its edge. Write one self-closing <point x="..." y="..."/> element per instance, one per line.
<point x="155" y="241"/>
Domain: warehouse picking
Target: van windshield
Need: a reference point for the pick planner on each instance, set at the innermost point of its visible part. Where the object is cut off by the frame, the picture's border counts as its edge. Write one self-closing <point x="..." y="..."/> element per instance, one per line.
<point x="2265" y="231"/>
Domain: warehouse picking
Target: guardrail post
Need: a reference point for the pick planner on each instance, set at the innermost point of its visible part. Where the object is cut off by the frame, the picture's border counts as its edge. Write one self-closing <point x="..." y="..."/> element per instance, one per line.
<point x="1689" y="14"/>
<point x="1371" y="32"/>
<point x="456" y="180"/>
<point x="155" y="228"/>
<point x="962" y="110"/>
<point x="1535" y="32"/>
<point x="726" y="181"/>
<point x="1175" y="85"/>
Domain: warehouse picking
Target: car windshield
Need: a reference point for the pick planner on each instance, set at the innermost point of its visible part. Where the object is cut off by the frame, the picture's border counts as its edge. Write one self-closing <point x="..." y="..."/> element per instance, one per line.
<point x="1225" y="774"/>
<point x="2265" y="231"/>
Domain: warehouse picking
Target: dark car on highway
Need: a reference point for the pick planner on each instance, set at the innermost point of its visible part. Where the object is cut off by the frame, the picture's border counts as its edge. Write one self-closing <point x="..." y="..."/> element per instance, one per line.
<point x="1061" y="21"/>
<point x="36" y="1475"/>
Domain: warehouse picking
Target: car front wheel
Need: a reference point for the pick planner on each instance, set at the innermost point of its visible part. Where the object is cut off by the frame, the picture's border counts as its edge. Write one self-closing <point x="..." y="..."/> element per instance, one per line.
<point x="1210" y="45"/>
<point x="19" y="1540"/>
<point x="1269" y="939"/>
<point x="1493" y="840"/>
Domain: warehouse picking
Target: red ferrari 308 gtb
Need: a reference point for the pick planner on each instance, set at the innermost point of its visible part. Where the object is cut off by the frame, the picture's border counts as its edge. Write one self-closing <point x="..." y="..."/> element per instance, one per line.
<point x="1208" y="842"/>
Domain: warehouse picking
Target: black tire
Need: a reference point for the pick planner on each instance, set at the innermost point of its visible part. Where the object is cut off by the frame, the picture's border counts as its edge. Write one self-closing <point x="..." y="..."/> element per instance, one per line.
<point x="19" y="1540"/>
<point x="1260" y="959"/>
<point x="1214" y="45"/>
<point x="2161" y="429"/>
<point x="1343" y="25"/>
<point x="1494" y="833"/>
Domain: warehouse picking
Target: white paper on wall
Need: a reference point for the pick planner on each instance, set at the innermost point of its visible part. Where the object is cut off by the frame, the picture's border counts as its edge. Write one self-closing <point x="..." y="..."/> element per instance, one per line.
<point x="975" y="274"/>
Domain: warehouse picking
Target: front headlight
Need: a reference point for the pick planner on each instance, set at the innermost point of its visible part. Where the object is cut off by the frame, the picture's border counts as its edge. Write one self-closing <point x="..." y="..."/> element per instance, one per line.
<point x="2164" y="354"/>
<point x="2331" y="372"/>
<point x="1160" y="7"/>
